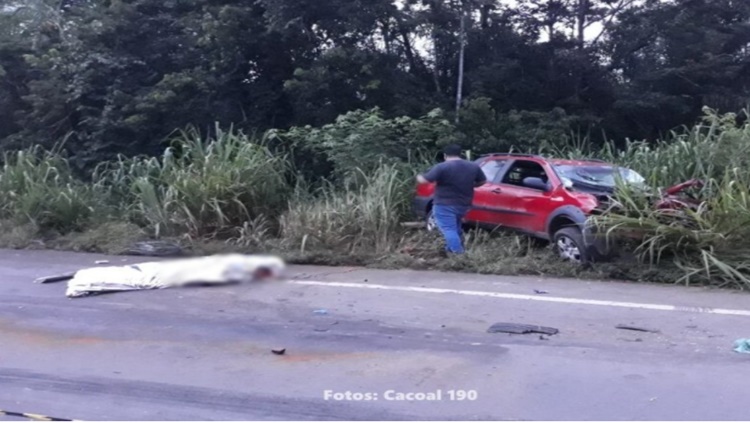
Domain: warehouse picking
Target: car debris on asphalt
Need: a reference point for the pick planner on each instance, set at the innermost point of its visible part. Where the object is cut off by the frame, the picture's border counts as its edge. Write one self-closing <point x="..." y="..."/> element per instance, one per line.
<point x="636" y="328"/>
<point x="321" y="311"/>
<point x="211" y="270"/>
<point x="521" y="329"/>
<point x="33" y="416"/>
<point x="55" y="278"/>
<point x="279" y="351"/>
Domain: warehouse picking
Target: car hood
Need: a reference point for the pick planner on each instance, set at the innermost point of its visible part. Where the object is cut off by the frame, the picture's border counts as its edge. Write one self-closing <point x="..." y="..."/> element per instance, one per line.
<point x="668" y="196"/>
<point x="594" y="189"/>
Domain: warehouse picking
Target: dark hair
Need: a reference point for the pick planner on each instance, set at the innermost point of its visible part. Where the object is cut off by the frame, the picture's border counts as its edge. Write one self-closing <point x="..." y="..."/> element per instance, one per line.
<point x="452" y="150"/>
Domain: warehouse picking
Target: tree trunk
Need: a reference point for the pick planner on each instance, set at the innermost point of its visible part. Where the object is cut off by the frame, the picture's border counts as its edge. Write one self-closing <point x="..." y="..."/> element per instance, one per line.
<point x="408" y="50"/>
<point x="386" y="36"/>
<point x="485" y="17"/>
<point x="462" y="50"/>
<point x="583" y="8"/>
<point x="435" y="66"/>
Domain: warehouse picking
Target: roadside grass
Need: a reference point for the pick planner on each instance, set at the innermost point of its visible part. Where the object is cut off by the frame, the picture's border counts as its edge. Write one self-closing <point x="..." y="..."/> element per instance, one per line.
<point x="708" y="246"/>
<point x="200" y="188"/>
<point x="230" y="192"/>
<point x="38" y="188"/>
<point x="112" y="238"/>
<point x="361" y="213"/>
<point x="18" y="236"/>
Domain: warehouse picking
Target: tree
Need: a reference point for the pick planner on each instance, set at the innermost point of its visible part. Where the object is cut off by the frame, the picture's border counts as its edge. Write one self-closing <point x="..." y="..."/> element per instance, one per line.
<point x="674" y="58"/>
<point x="461" y="55"/>
<point x="118" y="76"/>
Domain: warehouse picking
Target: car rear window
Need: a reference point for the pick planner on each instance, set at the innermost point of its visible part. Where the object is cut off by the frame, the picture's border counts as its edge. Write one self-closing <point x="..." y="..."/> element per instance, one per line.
<point x="491" y="168"/>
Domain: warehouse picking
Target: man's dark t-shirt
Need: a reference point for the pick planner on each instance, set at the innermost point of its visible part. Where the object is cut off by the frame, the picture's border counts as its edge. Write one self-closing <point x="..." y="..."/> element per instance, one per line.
<point x="455" y="181"/>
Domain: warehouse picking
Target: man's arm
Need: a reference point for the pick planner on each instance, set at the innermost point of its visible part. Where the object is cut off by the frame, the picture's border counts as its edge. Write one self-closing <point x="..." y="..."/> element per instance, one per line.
<point x="430" y="177"/>
<point x="481" y="178"/>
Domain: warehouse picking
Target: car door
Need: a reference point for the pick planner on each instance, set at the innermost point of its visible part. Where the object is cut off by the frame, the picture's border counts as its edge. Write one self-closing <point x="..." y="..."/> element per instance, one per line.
<point x="490" y="206"/>
<point x="527" y="205"/>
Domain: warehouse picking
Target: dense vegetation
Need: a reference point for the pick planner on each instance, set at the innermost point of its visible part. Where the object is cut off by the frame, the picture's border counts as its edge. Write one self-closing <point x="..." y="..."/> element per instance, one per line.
<point x="296" y="125"/>
<point x="238" y="192"/>
<point x="118" y="76"/>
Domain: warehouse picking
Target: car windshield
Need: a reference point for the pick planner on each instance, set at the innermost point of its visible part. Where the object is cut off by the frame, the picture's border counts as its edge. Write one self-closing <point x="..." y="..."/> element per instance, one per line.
<point x="604" y="175"/>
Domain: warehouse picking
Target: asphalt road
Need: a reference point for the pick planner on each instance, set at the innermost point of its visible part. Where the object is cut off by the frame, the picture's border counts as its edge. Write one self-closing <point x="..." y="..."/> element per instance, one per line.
<point x="205" y="353"/>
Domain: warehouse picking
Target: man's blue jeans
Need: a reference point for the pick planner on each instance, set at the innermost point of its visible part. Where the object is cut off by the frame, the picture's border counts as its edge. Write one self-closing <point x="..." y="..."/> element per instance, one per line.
<point x="448" y="219"/>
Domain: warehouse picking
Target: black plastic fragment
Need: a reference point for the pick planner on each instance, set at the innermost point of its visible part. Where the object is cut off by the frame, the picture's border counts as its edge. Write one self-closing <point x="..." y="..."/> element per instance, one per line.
<point x="56" y="278"/>
<point x="521" y="329"/>
<point x="636" y="328"/>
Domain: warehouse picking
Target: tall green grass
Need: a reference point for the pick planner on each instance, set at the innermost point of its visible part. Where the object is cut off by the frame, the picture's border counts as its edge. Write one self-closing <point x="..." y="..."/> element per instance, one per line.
<point x="712" y="243"/>
<point x="202" y="187"/>
<point x="705" y="151"/>
<point x="361" y="213"/>
<point x="37" y="187"/>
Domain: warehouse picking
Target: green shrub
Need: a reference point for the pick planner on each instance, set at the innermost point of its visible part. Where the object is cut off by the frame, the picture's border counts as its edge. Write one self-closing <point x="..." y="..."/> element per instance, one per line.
<point x="485" y="130"/>
<point x="37" y="187"/>
<point x="202" y="187"/>
<point x="363" y="213"/>
<point x="362" y="140"/>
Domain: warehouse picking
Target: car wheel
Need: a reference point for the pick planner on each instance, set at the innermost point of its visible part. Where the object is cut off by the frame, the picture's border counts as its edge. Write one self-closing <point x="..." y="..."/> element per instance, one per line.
<point x="569" y="245"/>
<point x="430" y="222"/>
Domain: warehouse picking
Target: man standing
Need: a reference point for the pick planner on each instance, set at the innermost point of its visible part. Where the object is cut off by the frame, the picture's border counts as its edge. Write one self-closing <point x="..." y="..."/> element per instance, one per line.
<point x="455" y="180"/>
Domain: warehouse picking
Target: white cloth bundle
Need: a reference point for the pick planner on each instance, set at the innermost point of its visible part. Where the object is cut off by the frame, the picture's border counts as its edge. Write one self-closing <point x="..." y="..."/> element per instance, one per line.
<point x="218" y="269"/>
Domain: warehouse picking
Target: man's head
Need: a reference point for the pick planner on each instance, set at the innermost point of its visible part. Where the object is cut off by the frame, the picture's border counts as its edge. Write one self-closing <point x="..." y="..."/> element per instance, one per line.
<point x="452" y="151"/>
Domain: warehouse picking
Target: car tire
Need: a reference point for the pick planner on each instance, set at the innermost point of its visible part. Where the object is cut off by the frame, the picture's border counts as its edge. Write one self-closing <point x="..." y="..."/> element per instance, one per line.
<point x="569" y="245"/>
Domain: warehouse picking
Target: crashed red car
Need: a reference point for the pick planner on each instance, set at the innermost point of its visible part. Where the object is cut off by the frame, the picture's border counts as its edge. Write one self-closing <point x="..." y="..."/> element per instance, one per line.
<point x="549" y="199"/>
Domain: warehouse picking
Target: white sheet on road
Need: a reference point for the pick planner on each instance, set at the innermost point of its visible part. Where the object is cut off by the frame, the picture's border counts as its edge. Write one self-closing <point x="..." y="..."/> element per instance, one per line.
<point x="212" y="270"/>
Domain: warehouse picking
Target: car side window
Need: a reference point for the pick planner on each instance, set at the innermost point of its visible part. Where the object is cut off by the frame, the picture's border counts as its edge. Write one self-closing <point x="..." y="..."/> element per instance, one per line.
<point x="522" y="169"/>
<point x="491" y="168"/>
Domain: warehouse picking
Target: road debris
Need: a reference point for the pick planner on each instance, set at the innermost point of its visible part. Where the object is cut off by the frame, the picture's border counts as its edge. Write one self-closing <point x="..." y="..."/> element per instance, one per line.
<point x="55" y="278"/>
<point x="33" y="416"/>
<point x="636" y="328"/>
<point x="521" y="329"/>
<point x="210" y="270"/>
<point x="321" y="311"/>
<point x="541" y="292"/>
<point x="101" y="262"/>
<point x="279" y="351"/>
<point x="742" y="346"/>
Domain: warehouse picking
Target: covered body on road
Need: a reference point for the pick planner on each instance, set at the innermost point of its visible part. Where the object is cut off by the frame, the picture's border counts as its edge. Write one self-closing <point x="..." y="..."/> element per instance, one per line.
<point x="210" y="270"/>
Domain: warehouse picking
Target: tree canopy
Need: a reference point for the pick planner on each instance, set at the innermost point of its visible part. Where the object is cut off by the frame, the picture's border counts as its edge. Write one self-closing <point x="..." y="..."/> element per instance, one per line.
<point x="118" y="76"/>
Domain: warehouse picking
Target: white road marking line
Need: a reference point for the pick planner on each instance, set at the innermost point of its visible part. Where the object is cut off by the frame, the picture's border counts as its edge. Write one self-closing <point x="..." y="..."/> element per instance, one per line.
<point x="659" y="307"/>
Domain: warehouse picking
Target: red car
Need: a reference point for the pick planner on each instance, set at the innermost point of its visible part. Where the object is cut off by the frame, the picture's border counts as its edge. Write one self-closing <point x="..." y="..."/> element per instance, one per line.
<point x="549" y="199"/>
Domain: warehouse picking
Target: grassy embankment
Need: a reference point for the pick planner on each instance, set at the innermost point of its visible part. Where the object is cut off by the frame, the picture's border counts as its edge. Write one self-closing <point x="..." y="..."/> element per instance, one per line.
<point x="232" y="193"/>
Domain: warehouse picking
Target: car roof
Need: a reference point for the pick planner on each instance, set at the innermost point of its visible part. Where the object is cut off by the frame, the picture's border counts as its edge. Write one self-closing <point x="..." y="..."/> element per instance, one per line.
<point x="584" y="162"/>
<point x="553" y="161"/>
